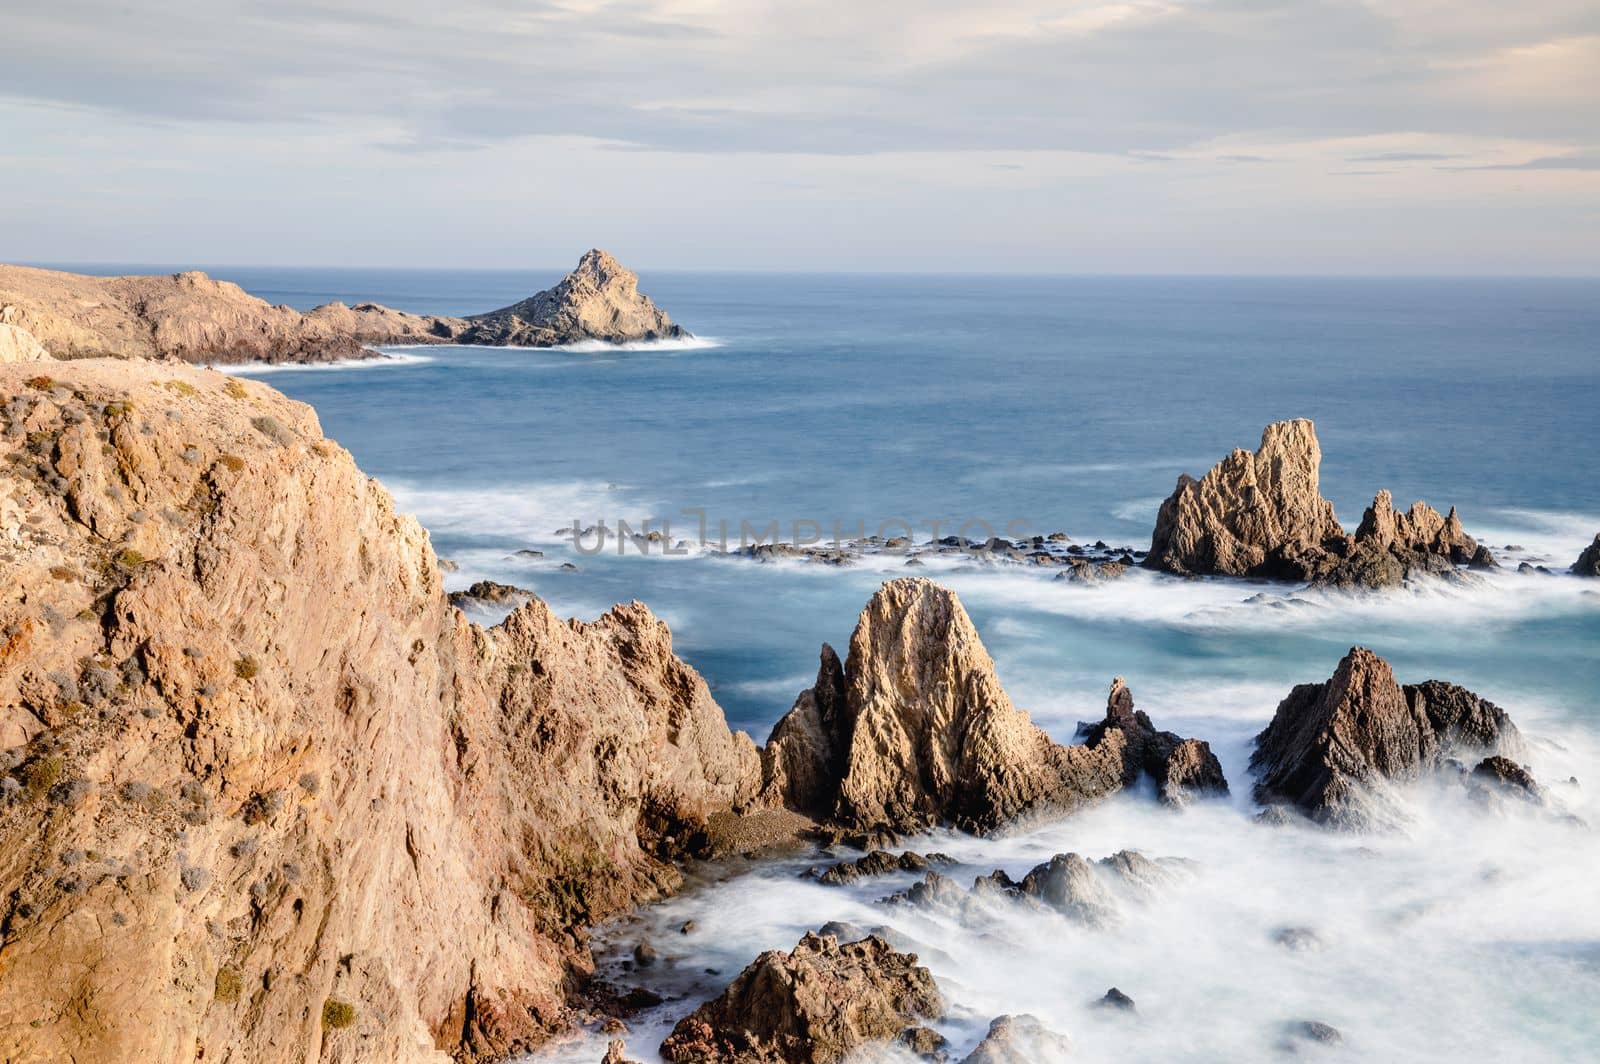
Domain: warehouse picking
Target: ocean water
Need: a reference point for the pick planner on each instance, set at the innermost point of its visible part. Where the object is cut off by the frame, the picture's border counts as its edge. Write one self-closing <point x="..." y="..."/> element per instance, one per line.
<point x="1072" y="404"/>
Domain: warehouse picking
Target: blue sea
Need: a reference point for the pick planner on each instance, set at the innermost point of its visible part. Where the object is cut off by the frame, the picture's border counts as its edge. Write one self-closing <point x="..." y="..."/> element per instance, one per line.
<point x="1073" y="403"/>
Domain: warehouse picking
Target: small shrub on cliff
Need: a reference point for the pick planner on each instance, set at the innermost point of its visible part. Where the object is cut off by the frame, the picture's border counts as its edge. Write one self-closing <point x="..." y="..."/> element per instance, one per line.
<point x="232" y="462"/>
<point x="262" y="806"/>
<point x="273" y="429"/>
<point x="180" y="387"/>
<point x="235" y="390"/>
<point x="228" y="985"/>
<point x="42" y="774"/>
<point x="128" y="560"/>
<point x="337" y="1014"/>
<point x="41" y="384"/>
<point x="246" y="668"/>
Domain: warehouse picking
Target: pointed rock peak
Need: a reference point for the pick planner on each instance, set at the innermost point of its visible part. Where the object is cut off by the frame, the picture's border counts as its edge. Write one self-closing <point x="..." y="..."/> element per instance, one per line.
<point x="602" y="266"/>
<point x="1588" y="563"/>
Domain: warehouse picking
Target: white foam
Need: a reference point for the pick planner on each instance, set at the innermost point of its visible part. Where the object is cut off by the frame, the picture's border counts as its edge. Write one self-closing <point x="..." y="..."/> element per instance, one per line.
<point x="386" y="359"/>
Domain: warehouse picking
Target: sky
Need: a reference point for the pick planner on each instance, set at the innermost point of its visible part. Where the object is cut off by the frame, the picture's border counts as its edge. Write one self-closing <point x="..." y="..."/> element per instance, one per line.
<point x="1145" y="136"/>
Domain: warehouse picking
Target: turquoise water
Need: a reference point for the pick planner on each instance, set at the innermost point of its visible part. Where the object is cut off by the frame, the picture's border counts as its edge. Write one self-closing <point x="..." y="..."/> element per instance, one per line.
<point x="1072" y="404"/>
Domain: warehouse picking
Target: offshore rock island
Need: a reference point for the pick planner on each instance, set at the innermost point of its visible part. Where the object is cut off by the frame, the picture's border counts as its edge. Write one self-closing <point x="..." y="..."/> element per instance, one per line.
<point x="199" y="319"/>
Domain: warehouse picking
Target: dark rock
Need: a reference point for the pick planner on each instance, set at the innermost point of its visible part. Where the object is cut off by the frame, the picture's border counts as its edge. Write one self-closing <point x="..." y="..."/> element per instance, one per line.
<point x="1506" y="775"/>
<point x="1331" y="745"/>
<point x="1181" y="768"/>
<point x="923" y="1042"/>
<point x="491" y="592"/>
<point x="1588" y="563"/>
<point x="1116" y="999"/>
<point x="812" y="1005"/>
<point x="1299" y="940"/>
<point x="878" y="863"/>
<point x="644" y="955"/>
<point x="1314" y="1031"/>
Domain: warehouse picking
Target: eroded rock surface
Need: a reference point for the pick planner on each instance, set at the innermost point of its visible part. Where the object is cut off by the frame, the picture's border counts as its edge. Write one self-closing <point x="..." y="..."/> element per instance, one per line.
<point x="19" y="345"/>
<point x="1181" y="768"/>
<point x="1262" y="515"/>
<point x="1020" y="1039"/>
<point x="199" y="319"/>
<point x="915" y="730"/>
<point x="812" y="1005"/>
<point x="1331" y="746"/>
<point x="320" y="815"/>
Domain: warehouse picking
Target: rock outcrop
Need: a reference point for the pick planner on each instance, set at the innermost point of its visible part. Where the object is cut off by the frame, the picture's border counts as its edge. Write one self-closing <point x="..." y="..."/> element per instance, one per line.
<point x="812" y="1005"/>
<point x="1180" y="768"/>
<point x="266" y="796"/>
<point x="600" y="300"/>
<point x="199" y="319"/>
<point x="19" y="345"/>
<point x="1263" y="515"/>
<point x="1091" y="893"/>
<point x="1332" y="746"/>
<point x="1588" y="563"/>
<point x="914" y="730"/>
<point x="1020" y="1039"/>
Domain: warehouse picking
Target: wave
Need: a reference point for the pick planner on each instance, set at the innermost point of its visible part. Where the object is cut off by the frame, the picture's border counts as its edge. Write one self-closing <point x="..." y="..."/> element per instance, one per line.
<point x="580" y="347"/>
<point x="384" y="360"/>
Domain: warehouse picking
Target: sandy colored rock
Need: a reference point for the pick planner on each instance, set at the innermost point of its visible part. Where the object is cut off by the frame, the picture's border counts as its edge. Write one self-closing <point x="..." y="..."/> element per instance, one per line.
<point x="19" y="345"/>
<point x="1020" y="1039"/>
<point x="1588" y="563"/>
<point x="599" y="300"/>
<point x="924" y="733"/>
<point x="1331" y="746"/>
<point x="812" y="1005"/>
<point x="200" y="319"/>
<point x="324" y="816"/>
<point x="1263" y="515"/>
<point x="1252" y="514"/>
<point x="1182" y="769"/>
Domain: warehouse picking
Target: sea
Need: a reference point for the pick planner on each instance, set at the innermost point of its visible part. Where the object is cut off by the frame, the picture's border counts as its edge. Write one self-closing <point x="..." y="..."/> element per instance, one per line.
<point x="808" y="406"/>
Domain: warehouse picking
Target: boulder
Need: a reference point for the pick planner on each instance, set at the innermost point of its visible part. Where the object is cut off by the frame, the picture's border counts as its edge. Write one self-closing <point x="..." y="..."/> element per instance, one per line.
<point x="18" y="345"/>
<point x="878" y="863"/>
<point x="1332" y="746"/>
<point x="491" y="593"/>
<point x="1020" y="1039"/>
<point x="1116" y="999"/>
<point x="1588" y="563"/>
<point x="813" y="1005"/>
<point x="915" y="730"/>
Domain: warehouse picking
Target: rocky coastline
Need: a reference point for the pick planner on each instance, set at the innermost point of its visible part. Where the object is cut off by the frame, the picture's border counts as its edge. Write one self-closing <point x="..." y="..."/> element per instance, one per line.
<point x="193" y="317"/>
<point x="269" y="795"/>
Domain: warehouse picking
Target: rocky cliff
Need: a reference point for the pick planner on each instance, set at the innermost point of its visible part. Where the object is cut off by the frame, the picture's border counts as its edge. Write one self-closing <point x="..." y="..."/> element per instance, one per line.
<point x="20" y="345"/>
<point x="196" y="318"/>
<point x="1262" y="515"/>
<point x="915" y="730"/>
<point x="1588" y="563"/>
<point x="266" y="795"/>
<point x="1331" y="747"/>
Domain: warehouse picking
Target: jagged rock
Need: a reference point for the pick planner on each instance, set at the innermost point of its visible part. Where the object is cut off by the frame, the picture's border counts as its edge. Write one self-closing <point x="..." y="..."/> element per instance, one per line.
<point x="1507" y="776"/>
<point x="19" y="345"/>
<point x="934" y="890"/>
<point x="878" y="863"/>
<point x="812" y="1005"/>
<point x="1020" y="1039"/>
<point x="434" y="809"/>
<point x="1087" y="892"/>
<point x="490" y="592"/>
<point x="805" y="756"/>
<point x="915" y="730"/>
<point x="1255" y="514"/>
<point x="1263" y="515"/>
<point x="1311" y="1031"/>
<point x="599" y="300"/>
<point x="1083" y="571"/>
<point x="617" y="1053"/>
<point x="1588" y="563"/>
<point x="196" y="318"/>
<point x="1181" y="768"/>
<point x="1331" y="746"/>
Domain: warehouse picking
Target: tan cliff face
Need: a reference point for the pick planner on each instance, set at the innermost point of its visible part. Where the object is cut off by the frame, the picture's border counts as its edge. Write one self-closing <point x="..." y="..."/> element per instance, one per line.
<point x="199" y="319"/>
<point x="267" y="796"/>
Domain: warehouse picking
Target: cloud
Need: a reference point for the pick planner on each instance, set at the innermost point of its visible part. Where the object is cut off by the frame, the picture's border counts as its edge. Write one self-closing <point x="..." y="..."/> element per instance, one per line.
<point x="1404" y="157"/>
<point x="1548" y="162"/>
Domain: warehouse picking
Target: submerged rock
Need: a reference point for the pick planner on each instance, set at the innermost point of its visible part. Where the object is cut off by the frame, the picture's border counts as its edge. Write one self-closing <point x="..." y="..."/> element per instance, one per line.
<point x="878" y="863"/>
<point x="491" y="593"/>
<point x="1331" y="746"/>
<point x="1588" y="563"/>
<point x="1116" y="999"/>
<point x="1506" y="776"/>
<point x="812" y="1005"/>
<point x="915" y="730"/>
<point x="1262" y="514"/>
<point x="1020" y="1039"/>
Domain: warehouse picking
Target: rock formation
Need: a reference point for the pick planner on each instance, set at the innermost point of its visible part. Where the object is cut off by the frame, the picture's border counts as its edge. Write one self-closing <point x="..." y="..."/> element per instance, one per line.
<point x="1588" y="563"/>
<point x="19" y="345"/>
<point x="196" y="318"/>
<point x="1331" y="746"/>
<point x="600" y="300"/>
<point x="1020" y="1039"/>
<point x="813" y="1005"/>
<point x="1180" y="768"/>
<point x="1091" y="893"/>
<point x="1263" y="515"/>
<point x="266" y="796"/>
<point x="915" y="730"/>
